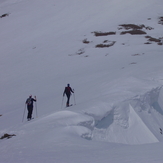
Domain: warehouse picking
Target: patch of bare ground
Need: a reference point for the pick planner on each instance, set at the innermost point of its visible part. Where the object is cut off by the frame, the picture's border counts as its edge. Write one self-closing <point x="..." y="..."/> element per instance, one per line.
<point x="103" y="45"/>
<point x="130" y="26"/>
<point x="132" y="63"/>
<point x="147" y="43"/>
<point x="152" y="39"/>
<point x="133" y="32"/>
<point x="4" y="15"/>
<point x="85" y="41"/>
<point x="103" y="33"/>
<point x="134" y="29"/>
<point x="137" y="54"/>
<point x="160" y="20"/>
<point x="80" y="51"/>
<point x="7" y="136"/>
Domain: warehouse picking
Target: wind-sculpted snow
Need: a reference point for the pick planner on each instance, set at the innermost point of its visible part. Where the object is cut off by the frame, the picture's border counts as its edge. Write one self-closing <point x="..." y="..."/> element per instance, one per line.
<point x="133" y="121"/>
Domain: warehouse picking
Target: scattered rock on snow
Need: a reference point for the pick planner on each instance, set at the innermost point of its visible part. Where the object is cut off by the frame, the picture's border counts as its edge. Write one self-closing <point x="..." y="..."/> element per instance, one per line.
<point x="103" y="33"/>
<point x="134" y="32"/>
<point x="105" y="45"/>
<point x="7" y="136"/>
<point x="4" y="15"/>
<point x="152" y="39"/>
<point x="160" y="20"/>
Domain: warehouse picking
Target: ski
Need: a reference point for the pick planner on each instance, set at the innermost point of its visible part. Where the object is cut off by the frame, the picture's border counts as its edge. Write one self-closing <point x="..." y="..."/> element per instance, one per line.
<point x="69" y="106"/>
<point x="30" y="119"/>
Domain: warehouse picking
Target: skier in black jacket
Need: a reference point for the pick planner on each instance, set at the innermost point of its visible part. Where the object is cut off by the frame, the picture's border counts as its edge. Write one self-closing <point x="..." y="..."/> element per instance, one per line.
<point x="29" y="103"/>
<point x="68" y="90"/>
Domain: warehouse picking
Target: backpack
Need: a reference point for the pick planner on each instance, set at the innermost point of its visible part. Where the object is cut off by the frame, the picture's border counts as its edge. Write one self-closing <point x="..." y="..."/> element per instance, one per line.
<point x="29" y="101"/>
<point x="68" y="89"/>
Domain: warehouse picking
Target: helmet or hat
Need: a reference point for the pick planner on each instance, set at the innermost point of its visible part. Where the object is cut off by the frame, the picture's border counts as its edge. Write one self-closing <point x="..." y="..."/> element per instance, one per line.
<point x="68" y="85"/>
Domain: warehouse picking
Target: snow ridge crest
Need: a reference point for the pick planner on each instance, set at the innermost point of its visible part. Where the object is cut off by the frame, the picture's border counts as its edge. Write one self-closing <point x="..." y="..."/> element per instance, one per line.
<point x="134" y="121"/>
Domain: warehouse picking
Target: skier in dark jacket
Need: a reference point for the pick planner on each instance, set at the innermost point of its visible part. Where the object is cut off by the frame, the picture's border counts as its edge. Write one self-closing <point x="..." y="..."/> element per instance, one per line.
<point x="68" y="90"/>
<point x="29" y="103"/>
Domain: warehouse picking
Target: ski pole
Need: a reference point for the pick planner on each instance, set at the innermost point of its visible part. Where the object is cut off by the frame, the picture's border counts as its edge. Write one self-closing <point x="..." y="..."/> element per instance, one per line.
<point x="74" y="97"/>
<point x="36" y="107"/>
<point x="62" y="102"/>
<point x="24" y="113"/>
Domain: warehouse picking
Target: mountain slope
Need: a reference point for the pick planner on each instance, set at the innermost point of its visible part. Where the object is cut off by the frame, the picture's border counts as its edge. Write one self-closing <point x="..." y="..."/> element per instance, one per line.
<point x="111" y="54"/>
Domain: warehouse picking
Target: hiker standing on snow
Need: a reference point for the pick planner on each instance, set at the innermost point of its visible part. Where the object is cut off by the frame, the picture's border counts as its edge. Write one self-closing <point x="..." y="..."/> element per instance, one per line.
<point x="68" y="90"/>
<point x="29" y="103"/>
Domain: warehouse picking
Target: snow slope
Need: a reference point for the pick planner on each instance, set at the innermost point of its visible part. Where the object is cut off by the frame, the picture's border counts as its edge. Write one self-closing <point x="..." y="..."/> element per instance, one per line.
<point x="118" y="116"/>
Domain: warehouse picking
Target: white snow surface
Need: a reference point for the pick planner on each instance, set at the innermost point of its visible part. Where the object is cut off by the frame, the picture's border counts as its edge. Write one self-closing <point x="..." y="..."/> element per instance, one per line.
<point x="117" y="112"/>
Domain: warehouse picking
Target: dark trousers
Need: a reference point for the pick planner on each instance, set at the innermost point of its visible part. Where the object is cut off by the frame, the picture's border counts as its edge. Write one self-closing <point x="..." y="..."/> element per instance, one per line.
<point x="68" y="99"/>
<point x="30" y="110"/>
